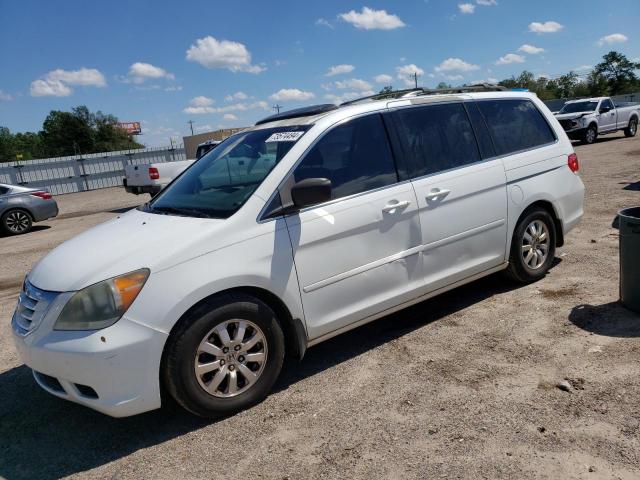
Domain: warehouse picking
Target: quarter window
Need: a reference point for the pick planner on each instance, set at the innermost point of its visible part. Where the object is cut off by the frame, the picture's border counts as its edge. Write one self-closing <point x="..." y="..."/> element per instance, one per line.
<point x="355" y="156"/>
<point x="515" y="125"/>
<point x="435" y="138"/>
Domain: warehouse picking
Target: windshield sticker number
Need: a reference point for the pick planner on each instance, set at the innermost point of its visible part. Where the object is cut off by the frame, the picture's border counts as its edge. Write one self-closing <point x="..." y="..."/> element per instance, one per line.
<point x="284" y="137"/>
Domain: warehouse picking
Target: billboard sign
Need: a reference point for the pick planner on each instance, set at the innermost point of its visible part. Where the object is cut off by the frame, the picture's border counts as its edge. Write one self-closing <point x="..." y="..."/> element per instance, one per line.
<point x="132" y="128"/>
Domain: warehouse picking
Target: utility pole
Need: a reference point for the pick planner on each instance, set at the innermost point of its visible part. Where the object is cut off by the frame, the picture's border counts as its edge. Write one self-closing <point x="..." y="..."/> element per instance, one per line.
<point x="277" y="107"/>
<point x="415" y="78"/>
<point x="191" y="122"/>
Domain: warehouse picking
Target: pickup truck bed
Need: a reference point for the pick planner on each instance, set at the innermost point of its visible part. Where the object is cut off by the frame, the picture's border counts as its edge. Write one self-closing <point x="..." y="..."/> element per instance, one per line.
<point x="153" y="177"/>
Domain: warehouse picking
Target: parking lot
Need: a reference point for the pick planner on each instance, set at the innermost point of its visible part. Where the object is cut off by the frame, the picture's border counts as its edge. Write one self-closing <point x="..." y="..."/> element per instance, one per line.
<point x="459" y="386"/>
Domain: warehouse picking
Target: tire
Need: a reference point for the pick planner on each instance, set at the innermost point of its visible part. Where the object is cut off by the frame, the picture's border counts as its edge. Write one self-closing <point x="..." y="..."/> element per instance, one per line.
<point x="16" y="222"/>
<point x="198" y="341"/>
<point x="522" y="267"/>
<point x="590" y="134"/>
<point x="632" y="129"/>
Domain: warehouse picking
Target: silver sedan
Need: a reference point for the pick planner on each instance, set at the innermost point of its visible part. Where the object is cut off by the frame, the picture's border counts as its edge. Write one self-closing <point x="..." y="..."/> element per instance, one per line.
<point x="21" y="207"/>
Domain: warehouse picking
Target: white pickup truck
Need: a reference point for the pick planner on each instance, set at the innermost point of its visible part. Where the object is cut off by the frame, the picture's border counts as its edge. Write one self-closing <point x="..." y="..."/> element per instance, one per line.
<point x="153" y="177"/>
<point x="587" y="118"/>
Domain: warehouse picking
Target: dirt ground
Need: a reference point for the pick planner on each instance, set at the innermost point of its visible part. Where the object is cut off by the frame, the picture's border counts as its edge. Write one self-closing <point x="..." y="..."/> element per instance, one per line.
<point x="459" y="386"/>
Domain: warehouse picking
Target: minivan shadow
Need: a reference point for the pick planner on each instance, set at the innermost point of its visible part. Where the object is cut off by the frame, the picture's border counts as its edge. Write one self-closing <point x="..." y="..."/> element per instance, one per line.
<point x="44" y="437"/>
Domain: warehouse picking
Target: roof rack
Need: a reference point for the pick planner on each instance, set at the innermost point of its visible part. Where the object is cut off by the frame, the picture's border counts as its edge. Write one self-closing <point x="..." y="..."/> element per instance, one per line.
<point x="299" y="112"/>
<point x="415" y="92"/>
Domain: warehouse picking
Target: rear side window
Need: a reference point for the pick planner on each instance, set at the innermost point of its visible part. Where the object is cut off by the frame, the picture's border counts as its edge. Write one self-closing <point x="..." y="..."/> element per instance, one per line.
<point x="435" y="138"/>
<point x="515" y="125"/>
<point x="355" y="156"/>
<point x="3" y="190"/>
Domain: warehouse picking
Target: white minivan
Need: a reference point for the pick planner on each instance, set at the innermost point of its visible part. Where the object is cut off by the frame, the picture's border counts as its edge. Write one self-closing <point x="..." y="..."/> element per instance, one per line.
<point x="310" y="223"/>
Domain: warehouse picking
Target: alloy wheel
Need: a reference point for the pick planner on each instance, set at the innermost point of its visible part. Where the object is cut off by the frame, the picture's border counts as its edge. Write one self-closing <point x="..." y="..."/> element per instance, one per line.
<point x="535" y="244"/>
<point x="231" y="358"/>
<point x="17" y="221"/>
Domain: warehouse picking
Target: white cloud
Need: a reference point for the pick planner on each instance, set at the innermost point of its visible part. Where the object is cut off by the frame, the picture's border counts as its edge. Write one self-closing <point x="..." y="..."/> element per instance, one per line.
<point x="212" y="53"/>
<point x="200" y="105"/>
<point x="339" y="69"/>
<point x="346" y="96"/>
<point x="242" y="106"/>
<point x="486" y="80"/>
<point x="383" y="78"/>
<point x="613" y="38"/>
<point x="321" y="22"/>
<point x="510" y="58"/>
<point x="139" y="72"/>
<point x="49" y="88"/>
<point x="546" y="27"/>
<point x="5" y="97"/>
<point x="291" y="95"/>
<point x="203" y="128"/>
<point x="229" y="117"/>
<point x="236" y="96"/>
<point x="58" y="83"/>
<point x="453" y="78"/>
<point x="456" y="65"/>
<point x="405" y="73"/>
<point x="466" y="7"/>
<point x="173" y="88"/>
<point x="369" y="19"/>
<point x="353" y="83"/>
<point x="487" y="3"/>
<point x="582" y="68"/>
<point x="530" y="49"/>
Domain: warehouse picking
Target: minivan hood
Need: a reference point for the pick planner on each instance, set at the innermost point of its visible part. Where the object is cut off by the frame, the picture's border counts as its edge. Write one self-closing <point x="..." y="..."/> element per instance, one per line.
<point x="131" y="241"/>
<point x="571" y="116"/>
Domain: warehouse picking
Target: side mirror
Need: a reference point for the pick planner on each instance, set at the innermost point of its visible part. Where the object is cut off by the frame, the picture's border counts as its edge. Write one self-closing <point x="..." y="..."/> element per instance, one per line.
<point x="605" y="109"/>
<point x="311" y="191"/>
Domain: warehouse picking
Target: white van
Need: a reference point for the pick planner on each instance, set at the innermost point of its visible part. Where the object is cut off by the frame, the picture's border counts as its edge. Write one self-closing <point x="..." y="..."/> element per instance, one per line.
<point x="311" y="223"/>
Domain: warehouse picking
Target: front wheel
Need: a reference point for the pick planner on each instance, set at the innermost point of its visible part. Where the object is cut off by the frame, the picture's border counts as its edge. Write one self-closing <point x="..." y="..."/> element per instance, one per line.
<point x="590" y="134"/>
<point x="632" y="129"/>
<point x="224" y="356"/>
<point x="16" y="222"/>
<point x="533" y="246"/>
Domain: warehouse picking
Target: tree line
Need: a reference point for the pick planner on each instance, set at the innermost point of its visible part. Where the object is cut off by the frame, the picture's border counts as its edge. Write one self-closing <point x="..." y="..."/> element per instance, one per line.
<point x="79" y="131"/>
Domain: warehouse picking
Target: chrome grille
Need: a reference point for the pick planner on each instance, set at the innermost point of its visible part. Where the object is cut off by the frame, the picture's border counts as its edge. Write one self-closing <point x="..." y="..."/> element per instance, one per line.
<point x="33" y="305"/>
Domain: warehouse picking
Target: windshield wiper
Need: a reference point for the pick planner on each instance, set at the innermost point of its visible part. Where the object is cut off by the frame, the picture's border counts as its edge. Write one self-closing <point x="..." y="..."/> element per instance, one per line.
<point x="185" y="212"/>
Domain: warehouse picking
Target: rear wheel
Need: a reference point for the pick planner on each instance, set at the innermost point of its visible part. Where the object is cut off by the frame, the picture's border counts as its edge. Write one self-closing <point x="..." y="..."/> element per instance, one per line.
<point x="632" y="129"/>
<point x="590" y="134"/>
<point x="16" y="222"/>
<point x="224" y="356"/>
<point x="533" y="246"/>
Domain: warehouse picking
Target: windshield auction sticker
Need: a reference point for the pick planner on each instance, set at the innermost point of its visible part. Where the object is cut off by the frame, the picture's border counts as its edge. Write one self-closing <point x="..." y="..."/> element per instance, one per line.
<point x="284" y="137"/>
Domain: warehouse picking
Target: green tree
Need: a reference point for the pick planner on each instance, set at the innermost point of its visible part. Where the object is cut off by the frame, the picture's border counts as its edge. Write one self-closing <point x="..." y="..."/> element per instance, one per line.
<point x="619" y="73"/>
<point x="566" y="85"/>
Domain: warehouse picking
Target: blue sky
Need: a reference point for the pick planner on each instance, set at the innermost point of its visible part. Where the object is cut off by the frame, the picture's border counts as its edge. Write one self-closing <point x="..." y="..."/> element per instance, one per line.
<point x="224" y="64"/>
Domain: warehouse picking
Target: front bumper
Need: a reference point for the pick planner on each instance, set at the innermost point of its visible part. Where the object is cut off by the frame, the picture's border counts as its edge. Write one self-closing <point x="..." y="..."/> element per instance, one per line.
<point x="114" y="370"/>
<point x="576" y="133"/>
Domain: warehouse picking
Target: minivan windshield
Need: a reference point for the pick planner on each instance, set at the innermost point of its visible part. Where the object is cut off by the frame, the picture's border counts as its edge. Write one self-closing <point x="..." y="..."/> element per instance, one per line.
<point x="586" y="106"/>
<point x="218" y="184"/>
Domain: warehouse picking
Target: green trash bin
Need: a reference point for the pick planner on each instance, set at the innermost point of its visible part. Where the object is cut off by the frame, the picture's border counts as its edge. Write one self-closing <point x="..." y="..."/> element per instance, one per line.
<point x="629" y="224"/>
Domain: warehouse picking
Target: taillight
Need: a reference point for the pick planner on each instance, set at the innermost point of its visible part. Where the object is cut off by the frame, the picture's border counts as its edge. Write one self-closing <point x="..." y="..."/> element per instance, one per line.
<point x="42" y="194"/>
<point x="153" y="173"/>
<point x="572" y="161"/>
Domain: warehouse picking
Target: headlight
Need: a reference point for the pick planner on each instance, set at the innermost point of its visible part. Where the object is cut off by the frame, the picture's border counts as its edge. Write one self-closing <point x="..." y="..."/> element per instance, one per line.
<point x="102" y="304"/>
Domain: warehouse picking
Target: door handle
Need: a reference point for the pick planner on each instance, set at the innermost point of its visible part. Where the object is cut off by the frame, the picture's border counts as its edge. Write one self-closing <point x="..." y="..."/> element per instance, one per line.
<point x="437" y="193"/>
<point x="392" y="207"/>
